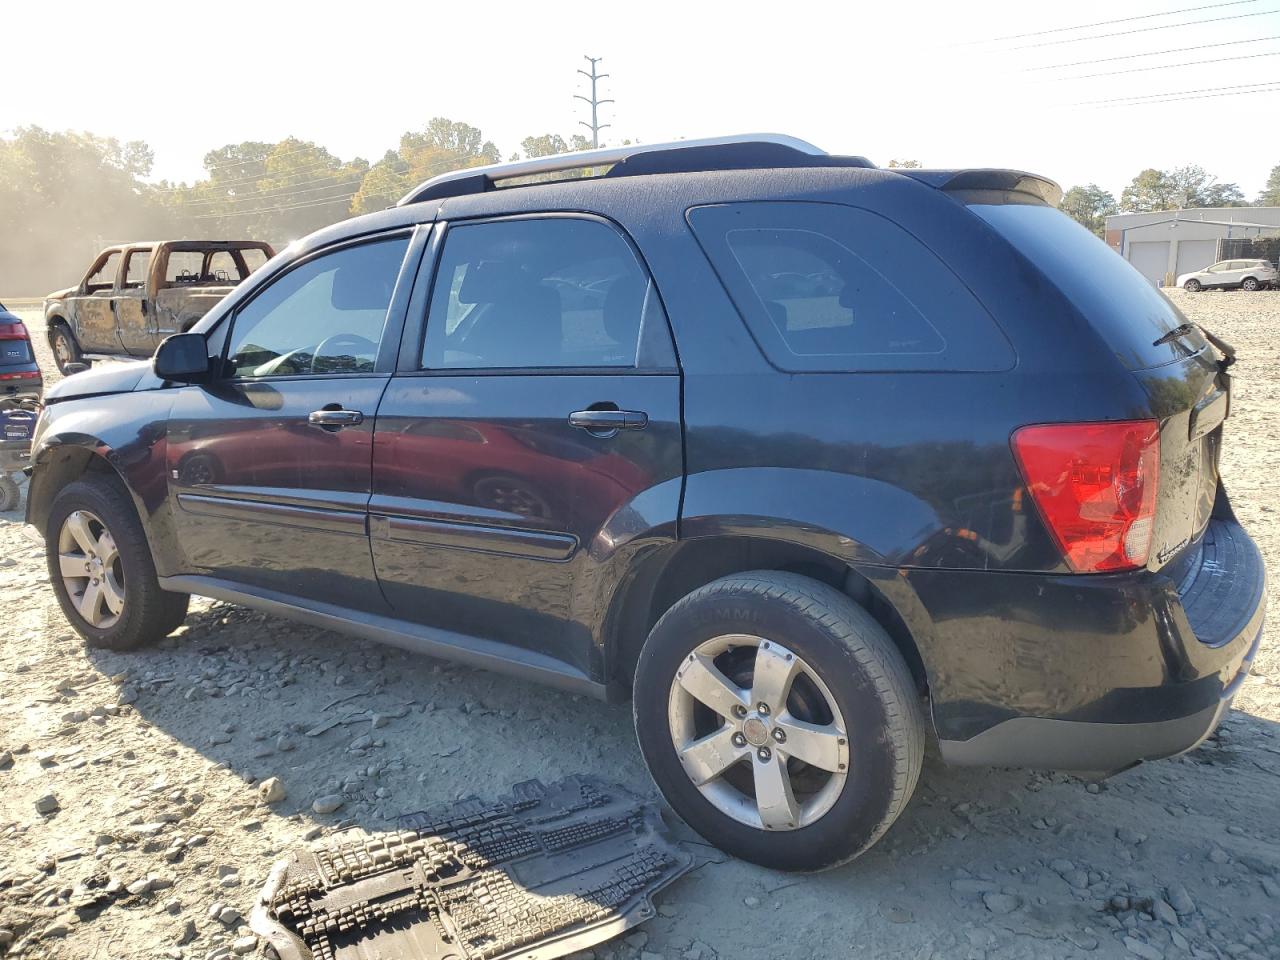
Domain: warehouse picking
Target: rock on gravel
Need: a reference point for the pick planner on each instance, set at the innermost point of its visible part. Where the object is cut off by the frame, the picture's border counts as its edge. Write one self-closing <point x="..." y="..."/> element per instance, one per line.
<point x="47" y="804"/>
<point x="271" y="790"/>
<point x="327" y="804"/>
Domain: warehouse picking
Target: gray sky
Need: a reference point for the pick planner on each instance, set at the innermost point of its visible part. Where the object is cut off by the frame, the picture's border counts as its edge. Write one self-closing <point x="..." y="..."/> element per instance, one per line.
<point x="885" y="80"/>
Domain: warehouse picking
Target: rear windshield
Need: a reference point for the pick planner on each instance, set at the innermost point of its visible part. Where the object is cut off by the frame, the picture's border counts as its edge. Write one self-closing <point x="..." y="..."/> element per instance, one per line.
<point x="1123" y="307"/>
<point x="14" y="351"/>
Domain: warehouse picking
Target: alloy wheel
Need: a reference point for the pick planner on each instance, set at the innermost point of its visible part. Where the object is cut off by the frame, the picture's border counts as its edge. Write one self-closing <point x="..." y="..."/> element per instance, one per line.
<point x="92" y="573"/>
<point x="758" y="732"/>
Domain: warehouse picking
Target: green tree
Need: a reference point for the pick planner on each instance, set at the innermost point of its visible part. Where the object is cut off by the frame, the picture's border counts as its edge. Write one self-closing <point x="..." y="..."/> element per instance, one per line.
<point x="384" y="184"/>
<point x="1089" y="206"/>
<point x="63" y="196"/>
<point x="1187" y="186"/>
<point x="1270" y="195"/>
<point x="1150" y="190"/>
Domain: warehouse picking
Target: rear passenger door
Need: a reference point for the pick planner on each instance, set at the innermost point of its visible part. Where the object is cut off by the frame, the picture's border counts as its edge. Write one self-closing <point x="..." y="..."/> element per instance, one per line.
<point x="542" y="402"/>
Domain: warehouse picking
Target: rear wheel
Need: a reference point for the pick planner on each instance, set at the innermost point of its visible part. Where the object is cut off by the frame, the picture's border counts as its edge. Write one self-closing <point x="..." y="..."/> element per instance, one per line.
<point x="1250" y="284"/>
<point x="10" y="494"/>
<point x="101" y="568"/>
<point x="65" y="348"/>
<point x="779" y="720"/>
<point x="1192" y="286"/>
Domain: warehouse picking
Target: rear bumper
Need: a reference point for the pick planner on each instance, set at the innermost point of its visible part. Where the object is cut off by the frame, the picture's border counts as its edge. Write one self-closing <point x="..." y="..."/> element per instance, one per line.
<point x="1093" y="673"/>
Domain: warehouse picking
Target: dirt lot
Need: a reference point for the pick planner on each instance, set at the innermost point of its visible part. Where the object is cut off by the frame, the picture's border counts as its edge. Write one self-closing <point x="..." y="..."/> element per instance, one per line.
<point x="153" y="760"/>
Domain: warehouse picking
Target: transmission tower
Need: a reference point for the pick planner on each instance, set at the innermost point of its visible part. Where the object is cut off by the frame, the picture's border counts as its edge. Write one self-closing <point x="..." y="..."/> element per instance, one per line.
<point x="595" y="126"/>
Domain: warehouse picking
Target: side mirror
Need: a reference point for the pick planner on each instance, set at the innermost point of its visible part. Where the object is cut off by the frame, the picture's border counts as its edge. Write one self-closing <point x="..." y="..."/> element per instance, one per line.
<point x="72" y="368"/>
<point x="183" y="357"/>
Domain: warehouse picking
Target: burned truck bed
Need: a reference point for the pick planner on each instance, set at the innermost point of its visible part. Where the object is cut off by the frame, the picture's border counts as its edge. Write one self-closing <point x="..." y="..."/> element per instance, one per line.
<point x="539" y="873"/>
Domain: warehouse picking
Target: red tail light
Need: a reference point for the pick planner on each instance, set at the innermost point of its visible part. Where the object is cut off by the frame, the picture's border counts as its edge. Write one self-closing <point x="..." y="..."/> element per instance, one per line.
<point x="1095" y="485"/>
<point x="13" y="331"/>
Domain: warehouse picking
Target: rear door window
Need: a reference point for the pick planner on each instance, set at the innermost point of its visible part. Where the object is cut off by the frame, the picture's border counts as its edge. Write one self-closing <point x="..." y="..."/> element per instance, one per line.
<point x="829" y="287"/>
<point x="1118" y="301"/>
<point x="553" y="292"/>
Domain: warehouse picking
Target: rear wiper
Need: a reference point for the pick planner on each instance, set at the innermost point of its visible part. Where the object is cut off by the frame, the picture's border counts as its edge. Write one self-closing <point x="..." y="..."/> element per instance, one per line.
<point x="1181" y="330"/>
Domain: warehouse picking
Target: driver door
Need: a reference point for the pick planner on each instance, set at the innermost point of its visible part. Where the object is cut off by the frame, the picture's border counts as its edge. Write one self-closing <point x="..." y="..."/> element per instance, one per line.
<point x="269" y="464"/>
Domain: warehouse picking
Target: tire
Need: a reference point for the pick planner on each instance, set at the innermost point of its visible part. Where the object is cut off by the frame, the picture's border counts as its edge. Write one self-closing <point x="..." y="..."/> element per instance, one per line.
<point x="844" y="657"/>
<point x="10" y="494"/>
<point x="1192" y="286"/>
<point x="1250" y="284"/>
<point x="64" y="346"/>
<point x="125" y="568"/>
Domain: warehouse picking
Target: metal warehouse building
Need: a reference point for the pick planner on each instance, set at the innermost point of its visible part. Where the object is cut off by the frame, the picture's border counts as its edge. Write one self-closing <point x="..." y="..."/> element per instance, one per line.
<point x="1169" y="242"/>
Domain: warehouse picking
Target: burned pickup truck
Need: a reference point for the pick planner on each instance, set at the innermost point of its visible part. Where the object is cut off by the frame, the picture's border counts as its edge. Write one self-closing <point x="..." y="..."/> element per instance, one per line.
<point x="134" y="295"/>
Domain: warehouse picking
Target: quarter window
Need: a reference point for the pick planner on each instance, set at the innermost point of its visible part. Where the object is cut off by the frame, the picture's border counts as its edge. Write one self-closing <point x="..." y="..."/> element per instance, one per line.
<point x="552" y="292"/>
<point x="323" y="317"/>
<point x="824" y="286"/>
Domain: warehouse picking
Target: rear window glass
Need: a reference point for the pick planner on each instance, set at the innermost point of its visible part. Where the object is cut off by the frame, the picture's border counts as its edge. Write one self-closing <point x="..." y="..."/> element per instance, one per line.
<point x="829" y="287"/>
<point x="14" y="351"/>
<point x="1122" y="306"/>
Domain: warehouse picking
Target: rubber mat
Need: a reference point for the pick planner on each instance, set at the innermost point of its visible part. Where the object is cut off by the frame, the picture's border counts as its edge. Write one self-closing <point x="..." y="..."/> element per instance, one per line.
<point x="535" y="874"/>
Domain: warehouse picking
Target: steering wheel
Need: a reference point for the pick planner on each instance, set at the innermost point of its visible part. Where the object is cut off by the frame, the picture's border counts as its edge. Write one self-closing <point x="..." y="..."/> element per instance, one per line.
<point x="329" y="347"/>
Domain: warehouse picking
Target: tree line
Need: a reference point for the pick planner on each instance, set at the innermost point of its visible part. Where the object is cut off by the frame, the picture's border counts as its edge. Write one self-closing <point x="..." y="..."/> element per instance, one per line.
<point x="65" y="195"/>
<point x="1153" y="190"/>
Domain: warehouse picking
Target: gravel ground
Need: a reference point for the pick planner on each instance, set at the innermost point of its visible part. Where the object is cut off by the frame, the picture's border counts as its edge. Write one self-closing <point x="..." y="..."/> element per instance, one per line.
<point x="129" y="806"/>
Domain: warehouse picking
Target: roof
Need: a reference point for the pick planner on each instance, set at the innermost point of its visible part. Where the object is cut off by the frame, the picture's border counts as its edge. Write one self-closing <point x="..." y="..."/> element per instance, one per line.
<point x="1230" y="216"/>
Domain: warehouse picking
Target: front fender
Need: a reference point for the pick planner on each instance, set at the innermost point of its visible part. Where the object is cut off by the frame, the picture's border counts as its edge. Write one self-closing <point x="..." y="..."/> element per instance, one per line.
<point x="122" y="433"/>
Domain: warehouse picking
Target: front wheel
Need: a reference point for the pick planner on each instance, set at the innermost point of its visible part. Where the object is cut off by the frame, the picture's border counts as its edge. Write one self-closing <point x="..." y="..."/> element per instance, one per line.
<point x="779" y="720"/>
<point x="65" y="349"/>
<point x="101" y="568"/>
<point x="1250" y="284"/>
<point x="1192" y="286"/>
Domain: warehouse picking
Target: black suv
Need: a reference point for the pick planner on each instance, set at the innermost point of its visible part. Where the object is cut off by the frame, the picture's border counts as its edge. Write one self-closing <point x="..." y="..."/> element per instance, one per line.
<point x="808" y="457"/>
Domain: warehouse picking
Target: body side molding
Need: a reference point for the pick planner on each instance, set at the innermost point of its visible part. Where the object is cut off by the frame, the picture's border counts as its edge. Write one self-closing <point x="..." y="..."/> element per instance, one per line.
<point x="460" y="648"/>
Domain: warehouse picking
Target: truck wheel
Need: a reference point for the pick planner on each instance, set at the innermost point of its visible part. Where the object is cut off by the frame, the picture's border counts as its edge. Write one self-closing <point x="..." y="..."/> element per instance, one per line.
<point x="65" y="348"/>
<point x="779" y="720"/>
<point x="101" y="568"/>
<point x="10" y="494"/>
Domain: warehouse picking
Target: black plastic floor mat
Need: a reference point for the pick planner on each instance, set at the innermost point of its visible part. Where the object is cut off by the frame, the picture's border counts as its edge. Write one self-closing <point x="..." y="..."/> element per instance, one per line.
<point x="537" y="874"/>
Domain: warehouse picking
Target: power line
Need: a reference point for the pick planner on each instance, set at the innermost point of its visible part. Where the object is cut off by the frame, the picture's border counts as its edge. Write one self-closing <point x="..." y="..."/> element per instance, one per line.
<point x="279" y="193"/>
<point x="294" y="206"/>
<point x="1176" y="93"/>
<point x="1169" y="66"/>
<point x="253" y="178"/>
<point x="1205" y="96"/>
<point x="1153" y="53"/>
<point x="1105" y="23"/>
<point x="1163" y="26"/>
<point x="595" y="126"/>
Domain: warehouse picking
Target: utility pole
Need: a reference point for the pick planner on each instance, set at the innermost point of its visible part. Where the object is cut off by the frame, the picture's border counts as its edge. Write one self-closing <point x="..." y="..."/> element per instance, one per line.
<point x="595" y="126"/>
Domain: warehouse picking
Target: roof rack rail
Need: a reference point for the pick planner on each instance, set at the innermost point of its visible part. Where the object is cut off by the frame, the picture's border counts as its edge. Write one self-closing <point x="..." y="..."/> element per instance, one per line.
<point x="740" y="151"/>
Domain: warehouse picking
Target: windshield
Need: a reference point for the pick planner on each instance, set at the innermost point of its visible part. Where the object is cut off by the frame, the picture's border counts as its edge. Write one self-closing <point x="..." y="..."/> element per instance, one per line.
<point x="1126" y="310"/>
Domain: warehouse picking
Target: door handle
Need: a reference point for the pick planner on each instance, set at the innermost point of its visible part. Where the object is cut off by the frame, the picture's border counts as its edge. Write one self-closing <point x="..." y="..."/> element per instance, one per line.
<point x="333" y="419"/>
<point x="606" y="423"/>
